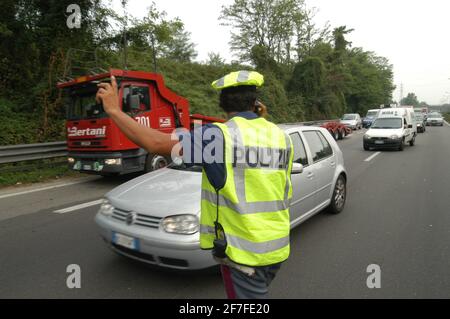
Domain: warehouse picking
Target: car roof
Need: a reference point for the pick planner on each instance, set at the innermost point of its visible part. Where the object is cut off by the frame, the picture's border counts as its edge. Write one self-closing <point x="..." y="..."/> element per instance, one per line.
<point x="290" y="128"/>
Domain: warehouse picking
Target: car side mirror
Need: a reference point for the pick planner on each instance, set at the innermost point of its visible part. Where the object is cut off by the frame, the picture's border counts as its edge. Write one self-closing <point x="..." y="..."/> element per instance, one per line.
<point x="297" y="168"/>
<point x="134" y="102"/>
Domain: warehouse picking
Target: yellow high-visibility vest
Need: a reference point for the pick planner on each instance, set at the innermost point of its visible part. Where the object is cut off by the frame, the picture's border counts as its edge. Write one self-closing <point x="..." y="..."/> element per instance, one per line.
<point x="254" y="203"/>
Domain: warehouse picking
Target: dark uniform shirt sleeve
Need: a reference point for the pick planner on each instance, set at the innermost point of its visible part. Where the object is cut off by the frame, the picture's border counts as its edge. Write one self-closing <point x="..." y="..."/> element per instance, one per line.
<point x="204" y="146"/>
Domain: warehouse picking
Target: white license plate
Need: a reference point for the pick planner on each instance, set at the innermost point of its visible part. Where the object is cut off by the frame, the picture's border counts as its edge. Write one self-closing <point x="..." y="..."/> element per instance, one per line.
<point x="125" y="241"/>
<point x="87" y="167"/>
<point x="379" y="142"/>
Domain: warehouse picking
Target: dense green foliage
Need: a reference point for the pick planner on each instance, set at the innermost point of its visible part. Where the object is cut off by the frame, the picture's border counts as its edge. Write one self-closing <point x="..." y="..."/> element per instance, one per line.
<point x="310" y="72"/>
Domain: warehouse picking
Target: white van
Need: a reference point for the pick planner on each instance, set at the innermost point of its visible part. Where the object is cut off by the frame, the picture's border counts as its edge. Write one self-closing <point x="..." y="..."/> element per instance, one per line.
<point x="393" y="128"/>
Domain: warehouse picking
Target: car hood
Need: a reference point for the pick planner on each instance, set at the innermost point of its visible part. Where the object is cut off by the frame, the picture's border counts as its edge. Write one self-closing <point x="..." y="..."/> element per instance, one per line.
<point x="384" y="132"/>
<point x="162" y="193"/>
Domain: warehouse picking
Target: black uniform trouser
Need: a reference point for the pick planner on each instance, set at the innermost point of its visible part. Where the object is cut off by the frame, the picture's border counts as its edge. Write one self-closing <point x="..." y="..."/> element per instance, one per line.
<point x="241" y="286"/>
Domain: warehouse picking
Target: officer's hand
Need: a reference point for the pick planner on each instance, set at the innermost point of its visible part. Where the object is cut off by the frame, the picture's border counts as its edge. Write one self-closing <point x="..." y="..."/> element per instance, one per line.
<point x="108" y="94"/>
<point x="261" y="109"/>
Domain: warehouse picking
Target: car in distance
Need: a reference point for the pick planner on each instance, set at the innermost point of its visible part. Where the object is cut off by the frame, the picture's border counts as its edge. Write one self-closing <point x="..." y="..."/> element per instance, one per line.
<point x="353" y="121"/>
<point x="370" y="117"/>
<point x="435" y="118"/>
<point x="154" y="218"/>
<point x="393" y="128"/>
<point x="421" y="122"/>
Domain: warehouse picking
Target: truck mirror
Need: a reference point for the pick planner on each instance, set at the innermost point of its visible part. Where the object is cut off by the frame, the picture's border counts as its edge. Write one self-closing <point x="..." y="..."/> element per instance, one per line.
<point x="134" y="102"/>
<point x="410" y="126"/>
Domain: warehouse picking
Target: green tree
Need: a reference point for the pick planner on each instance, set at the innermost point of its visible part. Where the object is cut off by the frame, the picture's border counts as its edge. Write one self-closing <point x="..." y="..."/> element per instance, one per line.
<point x="410" y="99"/>
<point x="266" y="23"/>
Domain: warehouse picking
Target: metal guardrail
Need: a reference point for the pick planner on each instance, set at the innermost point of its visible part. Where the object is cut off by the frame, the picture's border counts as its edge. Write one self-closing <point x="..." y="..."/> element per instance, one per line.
<point x="29" y="152"/>
<point x="312" y="123"/>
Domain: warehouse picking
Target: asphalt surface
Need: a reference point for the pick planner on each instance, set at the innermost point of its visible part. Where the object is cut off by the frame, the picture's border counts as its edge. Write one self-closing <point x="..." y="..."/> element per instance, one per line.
<point x="397" y="216"/>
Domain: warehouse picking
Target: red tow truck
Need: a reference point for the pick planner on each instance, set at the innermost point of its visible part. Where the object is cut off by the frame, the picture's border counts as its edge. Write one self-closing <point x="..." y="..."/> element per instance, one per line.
<point x="97" y="146"/>
<point x="337" y="130"/>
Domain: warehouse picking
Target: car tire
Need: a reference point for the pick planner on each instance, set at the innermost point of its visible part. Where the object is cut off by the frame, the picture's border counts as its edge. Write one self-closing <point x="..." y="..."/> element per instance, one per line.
<point x="366" y="148"/>
<point x="401" y="146"/>
<point x="412" y="142"/>
<point x="339" y="196"/>
<point x="341" y="135"/>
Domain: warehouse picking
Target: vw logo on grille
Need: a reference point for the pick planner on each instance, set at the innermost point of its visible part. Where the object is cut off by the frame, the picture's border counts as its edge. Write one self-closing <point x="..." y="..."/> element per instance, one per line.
<point x="131" y="218"/>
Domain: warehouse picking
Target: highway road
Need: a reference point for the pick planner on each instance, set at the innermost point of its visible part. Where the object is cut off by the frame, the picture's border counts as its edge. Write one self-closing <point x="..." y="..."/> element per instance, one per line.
<point x="397" y="216"/>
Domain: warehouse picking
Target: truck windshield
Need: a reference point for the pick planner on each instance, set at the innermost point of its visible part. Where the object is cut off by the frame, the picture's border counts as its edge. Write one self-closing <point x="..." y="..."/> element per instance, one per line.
<point x="387" y="123"/>
<point x="372" y="113"/>
<point x="82" y="105"/>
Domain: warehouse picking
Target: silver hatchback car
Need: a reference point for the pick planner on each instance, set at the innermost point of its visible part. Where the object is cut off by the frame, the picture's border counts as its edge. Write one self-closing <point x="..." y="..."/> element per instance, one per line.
<point x="155" y="218"/>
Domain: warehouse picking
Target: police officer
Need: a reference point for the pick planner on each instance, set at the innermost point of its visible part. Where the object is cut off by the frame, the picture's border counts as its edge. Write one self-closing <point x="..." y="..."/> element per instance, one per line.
<point x="246" y="184"/>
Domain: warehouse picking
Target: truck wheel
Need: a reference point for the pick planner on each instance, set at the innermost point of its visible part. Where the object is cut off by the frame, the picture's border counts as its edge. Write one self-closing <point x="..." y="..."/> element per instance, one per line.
<point x="336" y="135"/>
<point x="339" y="196"/>
<point x="155" y="162"/>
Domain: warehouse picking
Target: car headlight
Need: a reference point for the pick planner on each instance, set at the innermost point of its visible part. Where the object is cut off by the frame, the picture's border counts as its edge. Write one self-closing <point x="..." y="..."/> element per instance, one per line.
<point x="70" y="160"/>
<point x="181" y="224"/>
<point x="106" y="208"/>
<point x="113" y="161"/>
<point x="394" y="137"/>
<point x="367" y="137"/>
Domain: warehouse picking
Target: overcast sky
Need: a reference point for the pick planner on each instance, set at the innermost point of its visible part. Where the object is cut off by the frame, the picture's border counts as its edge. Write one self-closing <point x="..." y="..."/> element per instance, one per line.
<point x="412" y="34"/>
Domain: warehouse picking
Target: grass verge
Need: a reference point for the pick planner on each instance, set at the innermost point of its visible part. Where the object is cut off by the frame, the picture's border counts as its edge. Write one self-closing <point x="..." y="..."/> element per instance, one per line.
<point x="26" y="173"/>
<point x="447" y="117"/>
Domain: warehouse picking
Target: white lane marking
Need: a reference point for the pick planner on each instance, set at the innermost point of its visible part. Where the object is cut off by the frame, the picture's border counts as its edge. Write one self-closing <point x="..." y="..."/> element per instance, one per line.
<point x="372" y="157"/>
<point x="42" y="189"/>
<point x="78" y="207"/>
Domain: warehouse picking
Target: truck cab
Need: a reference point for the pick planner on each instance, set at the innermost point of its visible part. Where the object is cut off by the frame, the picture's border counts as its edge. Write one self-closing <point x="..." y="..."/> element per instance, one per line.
<point x="393" y="128"/>
<point x="96" y="145"/>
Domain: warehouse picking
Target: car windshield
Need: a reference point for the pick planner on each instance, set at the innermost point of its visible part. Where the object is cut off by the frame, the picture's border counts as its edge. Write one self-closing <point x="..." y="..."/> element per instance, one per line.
<point x="387" y="123"/>
<point x="419" y="117"/>
<point x="372" y="113"/>
<point x="348" y="117"/>
<point x="434" y="116"/>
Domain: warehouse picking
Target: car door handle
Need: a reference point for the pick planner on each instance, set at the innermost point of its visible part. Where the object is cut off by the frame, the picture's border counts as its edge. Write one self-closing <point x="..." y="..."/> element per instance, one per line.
<point x="310" y="175"/>
<point x="333" y="164"/>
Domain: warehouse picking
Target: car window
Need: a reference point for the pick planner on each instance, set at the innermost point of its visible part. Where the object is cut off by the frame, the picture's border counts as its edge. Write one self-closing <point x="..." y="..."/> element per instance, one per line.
<point x="319" y="146"/>
<point x="299" y="149"/>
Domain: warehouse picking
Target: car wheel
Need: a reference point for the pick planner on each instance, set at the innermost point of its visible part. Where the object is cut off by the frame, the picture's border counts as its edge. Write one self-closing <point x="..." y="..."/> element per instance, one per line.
<point x="413" y="140"/>
<point x="400" y="147"/>
<point x="341" y="134"/>
<point x="366" y="148"/>
<point x="339" y="196"/>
